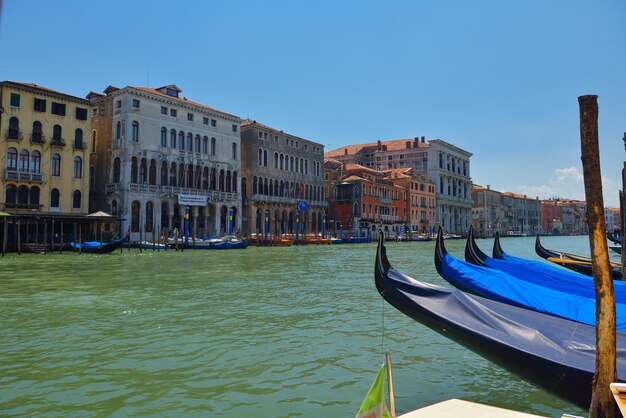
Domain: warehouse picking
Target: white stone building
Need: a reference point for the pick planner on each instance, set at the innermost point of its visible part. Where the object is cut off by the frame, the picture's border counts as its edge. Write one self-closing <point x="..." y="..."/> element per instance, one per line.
<point x="448" y="168"/>
<point x="154" y="149"/>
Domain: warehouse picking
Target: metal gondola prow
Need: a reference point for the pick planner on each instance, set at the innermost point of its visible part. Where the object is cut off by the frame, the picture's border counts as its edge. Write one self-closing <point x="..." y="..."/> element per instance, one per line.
<point x="440" y="250"/>
<point x="497" y="249"/>
<point x="473" y="254"/>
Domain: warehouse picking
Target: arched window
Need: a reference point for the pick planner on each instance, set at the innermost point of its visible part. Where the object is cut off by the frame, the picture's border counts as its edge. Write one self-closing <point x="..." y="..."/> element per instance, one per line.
<point x="10" y="194"/>
<point x="77" y="199"/>
<point x="55" y="198"/>
<point x="205" y="178"/>
<point x="221" y="181"/>
<point x="276" y="160"/>
<point x="265" y="157"/>
<point x="181" y="140"/>
<point x="260" y="156"/>
<point x="190" y="142"/>
<point x="114" y="207"/>
<point x="78" y="138"/>
<point x="78" y="168"/>
<point x="34" y="195"/>
<point x="213" y="140"/>
<point x="235" y="151"/>
<point x="116" y="170"/>
<point x="306" y="166"/>
<point x="205" y="144"/>
<point x="297" y="165"/>
<point x="143" y="171"/>
<point x="234" y="182"/>
<point x="134" y="217"/>
<point x="118" y="130"/>
<point x="12" y="159"/>
<point x="24" y="161"/>
<point x="56" y="165"/>
<point x="282" y="157"/>
<point x="133" y="170"/>
<point x="164" y="173"/>
<point x="37" y="135"/>
<point x="254" y="189"/>
<point x="163" y="137"/>
<point x="35" y="162"/>
<point x="173" y="175"/>
<point x="301" y="165"/>
<point x="57" y="134"/>
<point x="22" y="195"/>
<point x="152" y="173"/>
<point x="291" y="163"/>
<point x="14" y="128"/>
<point x="173" y="138"/>
<point x="93" y="140"/>
<point x="135" y="131"/>
<point x="197" y="140"/>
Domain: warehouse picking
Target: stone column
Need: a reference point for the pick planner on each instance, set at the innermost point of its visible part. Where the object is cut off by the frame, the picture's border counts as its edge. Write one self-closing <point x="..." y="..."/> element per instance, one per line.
<point x="194" y="228"/>
<point x="218" y="214"/>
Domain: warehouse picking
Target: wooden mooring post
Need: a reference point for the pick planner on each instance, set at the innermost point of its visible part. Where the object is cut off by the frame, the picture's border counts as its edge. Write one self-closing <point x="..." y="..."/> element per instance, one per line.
<point x="602" y="403"/>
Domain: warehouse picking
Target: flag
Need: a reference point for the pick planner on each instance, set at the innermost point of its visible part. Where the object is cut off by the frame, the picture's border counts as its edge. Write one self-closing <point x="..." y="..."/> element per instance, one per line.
<point x="374" y="405"/>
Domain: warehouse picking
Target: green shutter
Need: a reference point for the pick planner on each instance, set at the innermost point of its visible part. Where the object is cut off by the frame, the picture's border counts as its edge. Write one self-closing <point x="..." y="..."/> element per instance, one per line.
<point x="15" y="100"/>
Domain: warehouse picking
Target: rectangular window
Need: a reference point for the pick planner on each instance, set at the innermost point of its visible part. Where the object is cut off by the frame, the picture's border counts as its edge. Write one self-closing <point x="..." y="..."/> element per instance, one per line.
<point x="402" y="156"/>
<point x="118" y="104"/>
<point x="234" y="128"/>
<point x="15" y="100"/>
<point x="297" y="145"/>
<point x="260" y="135"/>
<point x="39" y="105"/>
<point x="205" y="121"/>
<point x="173" y="112"/>
<point x="81" y="113"/>
<point x="94" y="111"/>
<point x="264" y="135"/>
<point x="213" y="123"/>
<point x="136" y="104"/>
<point x="57" y="109"/>
<point x="163" y="110"/>
<point x="190" y="116"/>
<point x="389" y="157"/>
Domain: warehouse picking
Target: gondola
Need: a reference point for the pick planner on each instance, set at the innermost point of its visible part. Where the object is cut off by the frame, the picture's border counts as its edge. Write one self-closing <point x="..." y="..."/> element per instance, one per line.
<point x="561" y="301"/>
<point x="579" y="263"/>
<point x="615" y="239"/>
<point x="553" y="353"/>
<point x="539" y="273"/>
<point x="98" y="247"/>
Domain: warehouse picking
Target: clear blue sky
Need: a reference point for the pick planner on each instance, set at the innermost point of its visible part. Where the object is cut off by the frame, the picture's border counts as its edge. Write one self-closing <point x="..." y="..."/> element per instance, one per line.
<point x="497" y="78"/>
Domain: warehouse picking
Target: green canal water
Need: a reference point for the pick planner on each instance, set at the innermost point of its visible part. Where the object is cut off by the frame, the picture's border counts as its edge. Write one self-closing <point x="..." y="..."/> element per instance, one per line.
<point x="264" y="332"/>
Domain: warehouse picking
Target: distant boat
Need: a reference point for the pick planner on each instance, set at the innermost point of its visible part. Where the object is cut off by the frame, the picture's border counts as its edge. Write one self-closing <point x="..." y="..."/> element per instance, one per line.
<point x="615" y="239"/>
<point x="421" y="238"/>
<point x="98" y="247"/>
<point x="579" y="263"/>
<point x="227" y="242"/>
<point x="147" y="245"/>
<point x="553" y="353"/>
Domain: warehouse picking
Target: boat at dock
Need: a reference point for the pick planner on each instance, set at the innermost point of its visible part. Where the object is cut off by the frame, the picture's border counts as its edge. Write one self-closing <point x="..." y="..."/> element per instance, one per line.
<point x="98" y="247"/>
<point x="226" y="242"/>
<point x="553" y="353"/>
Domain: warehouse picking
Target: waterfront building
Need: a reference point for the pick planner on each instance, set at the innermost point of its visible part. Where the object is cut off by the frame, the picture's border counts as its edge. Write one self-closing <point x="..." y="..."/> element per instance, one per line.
<point x="361" y="198"/>
<point x="157" y="153"/>
<point x="551" y="217"/>
<point x="564" y="216"/>
<point x="487" y="211"/>
<point x="419" y="211"/>
<point x="44" y="153"/>
<point x="446" y="165"/>
<point x="522" y="215"/>
<point x="281" y="175"/>
<point x="612" y="219"/>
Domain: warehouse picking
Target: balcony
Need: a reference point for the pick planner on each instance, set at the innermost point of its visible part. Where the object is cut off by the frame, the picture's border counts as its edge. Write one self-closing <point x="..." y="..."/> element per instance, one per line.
<point x="37" y="138"/>
<point x="212" y="195"/>
<point x="116" y="143"/>
<point x="14" y="135"/>
<point x="80" y="145"/>
<point x="57" y="142"/>
<point x="23" y="176"/>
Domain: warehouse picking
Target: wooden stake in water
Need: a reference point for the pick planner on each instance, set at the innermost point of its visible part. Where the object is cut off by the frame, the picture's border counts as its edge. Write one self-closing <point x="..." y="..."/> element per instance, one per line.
<point x="602" y="403"/>
<point x="61" y="248"/>
<point x="80" y="239"/>
<point x="19" y="239"/>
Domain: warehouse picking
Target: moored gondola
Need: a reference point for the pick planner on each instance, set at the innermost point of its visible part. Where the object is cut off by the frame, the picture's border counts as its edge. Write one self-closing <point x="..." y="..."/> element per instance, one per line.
<point x="553" y="353"/>
<point x="575" y="262"/>
<point x="97" y="247"/>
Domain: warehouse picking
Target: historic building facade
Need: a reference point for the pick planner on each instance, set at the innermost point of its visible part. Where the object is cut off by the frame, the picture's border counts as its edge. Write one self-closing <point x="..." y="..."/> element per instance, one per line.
<point x="44" y="151"/>
<point x="419" y="212"/>
<point x="157" y="153"/>
<point x="446" y="165"/>
<point x="282" y="174"/>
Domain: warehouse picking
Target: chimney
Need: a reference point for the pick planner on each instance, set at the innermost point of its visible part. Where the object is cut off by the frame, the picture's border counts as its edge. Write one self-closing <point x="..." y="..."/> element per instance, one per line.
<point x="345" y="151"/>
<point x="379" y="145"/>
<point x="423" y="139"/>
<point x="488" y="187"/>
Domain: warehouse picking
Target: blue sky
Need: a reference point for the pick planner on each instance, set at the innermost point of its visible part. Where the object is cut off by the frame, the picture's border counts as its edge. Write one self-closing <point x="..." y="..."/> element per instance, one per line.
<point x="497" y="78"/>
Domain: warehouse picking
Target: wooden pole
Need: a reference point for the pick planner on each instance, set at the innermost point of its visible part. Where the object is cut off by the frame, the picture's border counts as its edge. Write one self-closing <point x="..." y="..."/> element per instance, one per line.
<point x="622" y="204"/>
<point x="602" y="403"/>
<point x="392" y="401"/>
<point x="80" y="239"/>
<point x="36" y="234"/>
<point x="45" y="235"/>
<point x="61" y="247"/>
<point x="19" y="238"/>
<point x="5" y="235"/>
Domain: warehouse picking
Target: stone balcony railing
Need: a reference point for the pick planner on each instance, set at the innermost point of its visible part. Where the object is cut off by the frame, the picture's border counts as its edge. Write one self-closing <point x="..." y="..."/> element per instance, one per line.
<point x="23" y="176"/>
<point x="285" y="200"/>
<point x="213" y="195"/>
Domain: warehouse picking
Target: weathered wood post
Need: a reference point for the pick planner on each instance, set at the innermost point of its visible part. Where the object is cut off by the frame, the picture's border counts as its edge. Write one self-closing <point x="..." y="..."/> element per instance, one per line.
<point x="5" y="236"/>
<point x="80" y="239"/>
<point x="602" y="403"/>
<point x="61" y="247"/>
<point x="19" y="238"/>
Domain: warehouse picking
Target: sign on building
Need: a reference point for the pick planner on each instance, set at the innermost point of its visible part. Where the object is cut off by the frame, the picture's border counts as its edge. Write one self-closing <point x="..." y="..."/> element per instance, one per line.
<point x="193" y="200"/>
